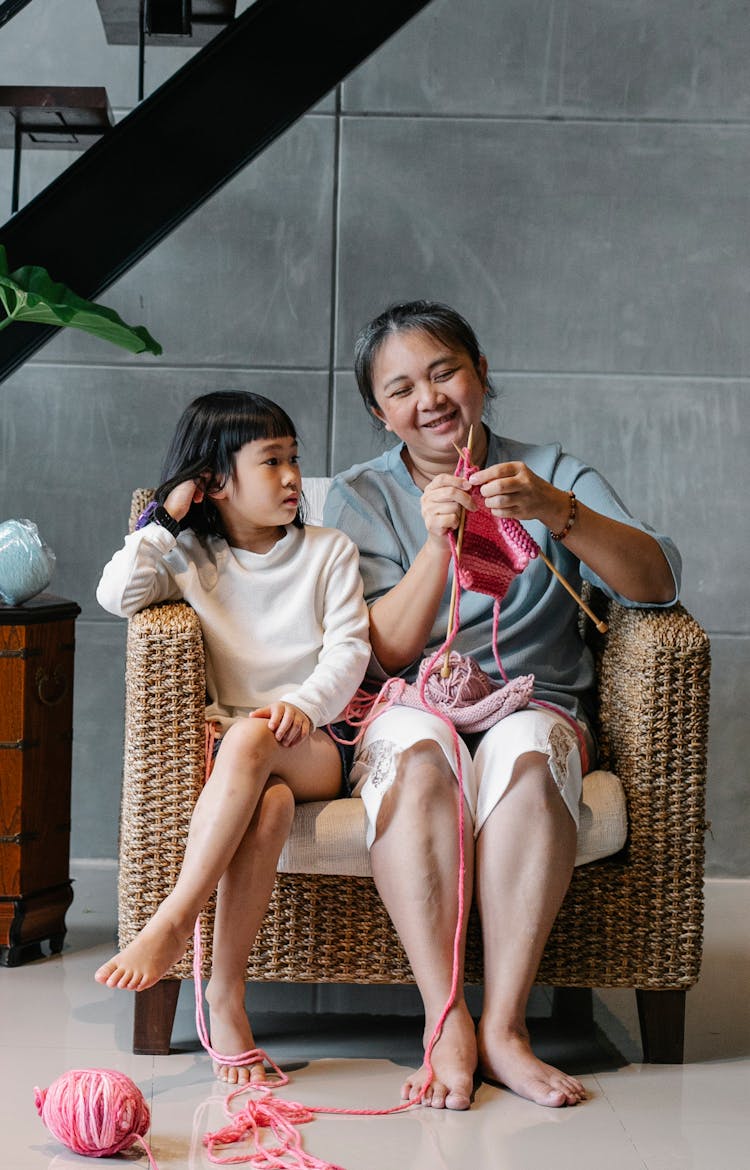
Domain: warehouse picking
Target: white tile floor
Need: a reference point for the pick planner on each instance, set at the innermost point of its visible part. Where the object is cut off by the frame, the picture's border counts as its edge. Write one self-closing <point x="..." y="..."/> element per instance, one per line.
<point x="53" y="1018"/>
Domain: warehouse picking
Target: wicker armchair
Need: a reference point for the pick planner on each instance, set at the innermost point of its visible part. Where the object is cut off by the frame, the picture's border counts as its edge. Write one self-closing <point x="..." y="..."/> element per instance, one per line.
<point x="631" y="920"/>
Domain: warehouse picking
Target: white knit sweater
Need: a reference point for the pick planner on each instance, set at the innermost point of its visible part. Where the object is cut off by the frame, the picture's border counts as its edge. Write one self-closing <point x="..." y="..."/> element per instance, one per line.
<point x="290" y="624"/>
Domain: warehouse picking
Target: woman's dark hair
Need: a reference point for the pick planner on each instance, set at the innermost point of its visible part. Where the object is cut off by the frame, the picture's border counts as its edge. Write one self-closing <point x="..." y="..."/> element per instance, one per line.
<point x="440" y="321"/>
<point x="210" y="432"/>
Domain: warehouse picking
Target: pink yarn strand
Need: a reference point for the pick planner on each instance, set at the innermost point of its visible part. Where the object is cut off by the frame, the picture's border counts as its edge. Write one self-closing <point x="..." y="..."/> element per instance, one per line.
<point x="210" y="744"/>
<point x="98" y="1112"/>
<point x="264" y="1112"/>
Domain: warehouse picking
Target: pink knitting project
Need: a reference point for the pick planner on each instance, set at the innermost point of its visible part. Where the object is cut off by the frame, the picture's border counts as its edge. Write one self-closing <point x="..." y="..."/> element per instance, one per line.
<point x="470" y="698"/>
<point x="494" y="549"/>
<point x="493" y="552"/>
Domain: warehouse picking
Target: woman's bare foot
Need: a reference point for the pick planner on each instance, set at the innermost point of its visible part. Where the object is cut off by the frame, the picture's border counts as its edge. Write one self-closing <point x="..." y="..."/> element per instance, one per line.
<point x="145" y="960"/>
<point x="453" y="1059"/>
<point x="232" y="1035"/>
<point x="505" y="1056"/>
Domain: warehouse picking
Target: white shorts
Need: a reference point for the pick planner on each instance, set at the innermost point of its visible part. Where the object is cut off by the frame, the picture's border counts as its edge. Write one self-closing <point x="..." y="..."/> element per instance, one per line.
<point x="487" y="775"/>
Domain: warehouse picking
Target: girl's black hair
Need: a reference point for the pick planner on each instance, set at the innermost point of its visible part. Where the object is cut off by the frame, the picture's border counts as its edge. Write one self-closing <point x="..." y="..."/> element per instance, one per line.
<point x="210" y="432"/>
<point x="440" y="321"/>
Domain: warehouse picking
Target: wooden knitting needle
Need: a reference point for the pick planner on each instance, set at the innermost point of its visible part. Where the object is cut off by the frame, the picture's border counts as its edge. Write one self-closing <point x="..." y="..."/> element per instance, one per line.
<point x="445" y="669"/>
<point x="601" y="626"/>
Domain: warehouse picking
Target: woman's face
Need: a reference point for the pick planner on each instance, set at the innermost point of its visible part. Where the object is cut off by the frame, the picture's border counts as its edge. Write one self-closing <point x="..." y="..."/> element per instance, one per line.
<point x="428" y="393"/>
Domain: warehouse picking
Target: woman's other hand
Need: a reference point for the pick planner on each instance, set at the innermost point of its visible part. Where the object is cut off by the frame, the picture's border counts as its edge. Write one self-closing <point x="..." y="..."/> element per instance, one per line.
<point x="513" y="490"/>
<point x="630" y="561"/>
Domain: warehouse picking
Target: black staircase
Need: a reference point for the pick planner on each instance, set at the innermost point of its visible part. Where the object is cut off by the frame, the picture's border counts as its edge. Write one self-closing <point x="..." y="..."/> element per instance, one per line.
<point x="217" y="113"/>
<point x="10" y="8"/>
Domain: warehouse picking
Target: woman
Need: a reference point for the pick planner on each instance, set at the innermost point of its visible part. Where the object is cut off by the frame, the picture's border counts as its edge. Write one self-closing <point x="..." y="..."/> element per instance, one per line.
<point x="422" y="375"/>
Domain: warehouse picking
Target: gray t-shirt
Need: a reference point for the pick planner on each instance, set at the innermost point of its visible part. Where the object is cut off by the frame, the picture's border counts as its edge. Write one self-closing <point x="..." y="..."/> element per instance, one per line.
<point x="378" y="505"/>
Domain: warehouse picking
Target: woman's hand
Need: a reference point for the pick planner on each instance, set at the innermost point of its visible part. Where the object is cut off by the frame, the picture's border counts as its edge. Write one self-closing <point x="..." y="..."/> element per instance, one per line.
<point x="629" y="560"/>
<point x="515" y="491"/>
<point x="401" y="620"/>
<point x="289" y="725"/>
<point x="179" y="500"/>
<point x="443" y="500"/>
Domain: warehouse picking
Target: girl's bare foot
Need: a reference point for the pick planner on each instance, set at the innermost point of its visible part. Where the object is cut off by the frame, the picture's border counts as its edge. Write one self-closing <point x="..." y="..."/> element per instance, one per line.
<point x="232" y="1035"/>
<point x="145" y="960"/>
<point x="453" y="1059"/>
<point x="505" y="1056"/>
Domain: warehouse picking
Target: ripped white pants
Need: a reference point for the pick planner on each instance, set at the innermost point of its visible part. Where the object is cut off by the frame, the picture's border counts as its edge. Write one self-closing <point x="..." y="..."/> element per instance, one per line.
<point x="487" y="775"/>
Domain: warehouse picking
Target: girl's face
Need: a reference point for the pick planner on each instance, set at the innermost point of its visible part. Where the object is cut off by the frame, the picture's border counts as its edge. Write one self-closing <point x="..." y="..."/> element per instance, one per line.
<point x="265" y="487"/>
<point x="428" y="393"/>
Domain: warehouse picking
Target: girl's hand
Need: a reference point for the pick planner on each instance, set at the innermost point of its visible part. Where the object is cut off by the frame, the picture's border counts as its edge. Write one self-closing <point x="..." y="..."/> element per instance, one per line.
<point x="442" y="502"/>
<point x="515" y="491"/>
<point x="289" y="725"/>
<point x="180" y="498"/>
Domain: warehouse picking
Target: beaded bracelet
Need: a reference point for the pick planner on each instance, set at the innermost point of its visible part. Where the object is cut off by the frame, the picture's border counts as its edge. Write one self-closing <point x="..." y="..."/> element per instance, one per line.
<point x="570" y="521"/>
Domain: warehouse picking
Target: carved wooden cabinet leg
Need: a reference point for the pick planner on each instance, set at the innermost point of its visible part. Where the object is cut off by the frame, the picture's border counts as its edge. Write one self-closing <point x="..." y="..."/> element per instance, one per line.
<point x="662" y="1019"/>
<point x="154" y="1017"/>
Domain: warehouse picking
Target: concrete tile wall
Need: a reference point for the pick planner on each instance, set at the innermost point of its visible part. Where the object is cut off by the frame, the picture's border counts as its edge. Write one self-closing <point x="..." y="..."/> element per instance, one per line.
<point x="572" y="176"/>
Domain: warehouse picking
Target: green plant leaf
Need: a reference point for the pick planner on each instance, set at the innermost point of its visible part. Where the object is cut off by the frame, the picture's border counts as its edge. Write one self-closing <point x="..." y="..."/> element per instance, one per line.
<point x="30" y="294"/>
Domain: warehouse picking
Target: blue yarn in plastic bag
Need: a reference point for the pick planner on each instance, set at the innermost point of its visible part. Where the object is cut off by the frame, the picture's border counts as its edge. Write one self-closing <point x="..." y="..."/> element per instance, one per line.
<point x="26" y="562"/>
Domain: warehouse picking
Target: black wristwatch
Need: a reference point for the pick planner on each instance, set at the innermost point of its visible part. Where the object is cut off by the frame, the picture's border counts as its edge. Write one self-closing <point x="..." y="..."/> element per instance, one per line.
<point x="161" y="516"/>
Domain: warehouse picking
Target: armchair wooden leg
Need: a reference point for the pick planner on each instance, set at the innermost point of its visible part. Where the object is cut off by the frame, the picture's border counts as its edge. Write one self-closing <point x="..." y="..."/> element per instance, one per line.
<point x="154" y="1017"/>
<point x="574" y="1005"/>
<point x="662" y="1019"/>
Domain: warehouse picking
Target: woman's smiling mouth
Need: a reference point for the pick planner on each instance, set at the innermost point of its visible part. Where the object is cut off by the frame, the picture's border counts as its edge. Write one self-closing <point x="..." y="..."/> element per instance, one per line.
<point x="444" y="418"/>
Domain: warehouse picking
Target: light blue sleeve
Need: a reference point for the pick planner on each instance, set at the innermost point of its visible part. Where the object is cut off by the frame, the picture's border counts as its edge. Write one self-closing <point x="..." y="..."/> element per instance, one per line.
<point x="356" y="509"/>
<point x="592" y="489"/>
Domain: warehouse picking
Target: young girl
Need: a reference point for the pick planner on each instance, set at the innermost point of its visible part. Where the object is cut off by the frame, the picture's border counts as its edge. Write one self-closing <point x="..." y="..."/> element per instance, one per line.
<point x="285" y="630"/>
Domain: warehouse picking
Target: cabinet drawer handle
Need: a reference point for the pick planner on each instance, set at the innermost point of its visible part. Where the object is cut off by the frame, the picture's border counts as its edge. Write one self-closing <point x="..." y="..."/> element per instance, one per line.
<point x="51" y="691"/>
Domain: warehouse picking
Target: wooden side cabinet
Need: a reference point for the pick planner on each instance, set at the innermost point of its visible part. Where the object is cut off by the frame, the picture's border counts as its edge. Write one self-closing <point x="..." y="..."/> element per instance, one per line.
<point x="37" y="647"/>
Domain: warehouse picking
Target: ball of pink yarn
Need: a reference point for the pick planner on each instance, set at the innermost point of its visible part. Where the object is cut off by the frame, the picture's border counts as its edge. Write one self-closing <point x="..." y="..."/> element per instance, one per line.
<point x="94" y="1111"/>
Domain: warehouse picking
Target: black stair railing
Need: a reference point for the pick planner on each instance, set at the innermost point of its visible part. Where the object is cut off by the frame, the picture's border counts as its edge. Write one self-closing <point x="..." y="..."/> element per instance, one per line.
<point x="10" y="8"/>
<point x="212" y="117"/>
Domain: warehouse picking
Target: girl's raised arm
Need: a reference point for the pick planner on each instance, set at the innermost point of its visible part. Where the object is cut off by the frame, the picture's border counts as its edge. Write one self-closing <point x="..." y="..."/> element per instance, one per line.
<point x="136" y="576"/>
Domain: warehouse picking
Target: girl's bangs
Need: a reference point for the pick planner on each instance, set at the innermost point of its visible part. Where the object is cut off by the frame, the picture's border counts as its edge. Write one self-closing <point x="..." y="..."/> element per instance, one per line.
<point x="263" y="421"/>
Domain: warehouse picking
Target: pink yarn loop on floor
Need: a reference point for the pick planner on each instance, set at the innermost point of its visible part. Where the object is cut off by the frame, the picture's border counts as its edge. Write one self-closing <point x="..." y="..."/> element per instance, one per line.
<point x="95" y="1111"/>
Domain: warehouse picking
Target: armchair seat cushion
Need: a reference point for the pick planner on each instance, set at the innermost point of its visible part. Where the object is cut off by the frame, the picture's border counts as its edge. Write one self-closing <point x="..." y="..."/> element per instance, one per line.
<point x="328" y="836"/>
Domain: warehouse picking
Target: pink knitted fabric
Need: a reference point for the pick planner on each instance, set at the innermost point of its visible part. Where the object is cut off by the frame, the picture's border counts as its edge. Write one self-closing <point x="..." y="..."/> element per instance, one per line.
<point x="494" y="549"/>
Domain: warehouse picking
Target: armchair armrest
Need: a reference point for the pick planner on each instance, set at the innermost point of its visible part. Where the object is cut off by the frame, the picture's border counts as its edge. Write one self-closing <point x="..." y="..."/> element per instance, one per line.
<point x="653" y="675"/>
<point x="653" y="672"/>
<point x="636" y="919"/>
<point x="165" y="696"/>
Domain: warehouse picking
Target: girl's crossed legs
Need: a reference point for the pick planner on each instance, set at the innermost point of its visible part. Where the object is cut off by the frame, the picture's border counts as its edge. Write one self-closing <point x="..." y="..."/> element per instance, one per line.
<point x="523" y="787"/>
<point x="238" y="828"/>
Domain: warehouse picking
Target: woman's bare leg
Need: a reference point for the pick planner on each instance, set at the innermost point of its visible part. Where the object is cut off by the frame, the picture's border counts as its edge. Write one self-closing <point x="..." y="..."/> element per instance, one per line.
<point x="244" y="893"/>
<point x="524" y="861"/>
<point x="415" y="861"/>
<point x="249" y="755"/>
